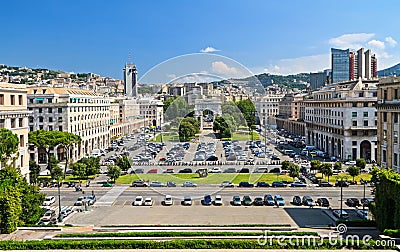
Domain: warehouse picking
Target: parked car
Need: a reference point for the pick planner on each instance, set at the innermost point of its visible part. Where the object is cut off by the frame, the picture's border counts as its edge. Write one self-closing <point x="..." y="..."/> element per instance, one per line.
<point x="279" y="201"/>
<point x="227" y="184"/>
<point x="258" y="201"/>
<point x="278" y="184"/>
<point x="344" y="214"/>
<point x="169" y="170"/>
<point x="154" y="170"/>
<point x="246" y="201"/>
<point x="49" y="200"/>
<point x="363" y="214"/>
<point x="66" y="212"/>
<point x="215" y="170"/>
<point x="168" y="200"/>
<point x="157" y="184"/>
<point x="139" y="183"/>
<point x="342" y="183"/>
<point x="325" y="184"/>
<point x="236" y="201"/>
<point x="245" y="184"/>
<point x="229" y="170"/>
<point x="353" y="202"/>
<point x="91" y="199"/>
<point x="79" y="201"/>
<point x="218" y="200"/>
<point x="186" y="170"/>
<point x="189" y="184"/>
<point x="324" y="202"/>
<point x="244" y="170"/>
<point x="366" y="201"/>
<point x="138" y="201"/>
<point x="48" y="215"/>
<point x="268" y="200"/>
<point x="296" y="201"/>
<point x="298" y="184"/>
<point x="308" y="201"/>
<point x="187" y="201"/>
<point x="171" y="184"/>
<point x="148" y="201"/>
<point x="262" y="184"/>
<point x="352" y="162"/>
<point x="206" y="201"/>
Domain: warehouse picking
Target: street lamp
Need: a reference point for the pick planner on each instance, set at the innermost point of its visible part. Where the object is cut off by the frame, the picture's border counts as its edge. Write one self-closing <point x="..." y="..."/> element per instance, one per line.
<point x="60" y="217"/>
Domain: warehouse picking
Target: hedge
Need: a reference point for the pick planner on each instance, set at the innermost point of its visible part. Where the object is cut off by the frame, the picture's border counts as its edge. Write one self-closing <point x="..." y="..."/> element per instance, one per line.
<point x="200" y="225"/>
<point x="358" y="223"/>
<point x="184" y="234"/>
<point x="392" y="232"/>
<point x="175" y="244"/>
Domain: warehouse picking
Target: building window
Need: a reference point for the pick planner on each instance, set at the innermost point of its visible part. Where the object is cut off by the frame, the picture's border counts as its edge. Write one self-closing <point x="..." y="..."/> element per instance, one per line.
<point x="49" y="100"/>
<point x="40" y="110"/>
<point x="21" y="122"/>
<point x="365" y="104"/>
<point x="354" y="104"/>
<point x="40" y="127"/>
<point x="354" y="142"/>
<point x="20" y="101"/>
<point x="395" y="137"/>
<point x="365" y="114"/>
<point x="59" y="128"/>
<point x="395" y="159"/>
<point x="1" y="99"/>
<point x="385" y="135"/>
<point x="12" y="122"/>
<point x="50" y="119"/>
<point x="21" y="141"/>
<point x="384" y="156"/>
<point x="59" y="110"/>
<point x="365" y="123"/>
<point x="60" y="119"/>
<point x="385" y="95"/>
<point x="30" y="128"/>
<point x="365" y="132"/>
<point x="385" y="116"/>
<point x="396" y="117"/>
<point x="31" y="101"/>
<point x="12" y="97"/>
<point x="50" y="110"/>
<point x="354" y="114"/>
<point x="50" y="128"/>
<point x="354" y="123"/>
<point x="376" y="122"/>
<point x="396" y="94"/>
<point x="22" y="161"/>
<point x="30" y="119"/>
<point x="41" y="119"/>
<point x="354" y="133"/>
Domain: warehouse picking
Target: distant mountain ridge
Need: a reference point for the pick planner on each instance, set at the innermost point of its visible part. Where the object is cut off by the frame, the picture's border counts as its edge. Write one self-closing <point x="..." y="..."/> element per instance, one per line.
<point x="390" y="71"/>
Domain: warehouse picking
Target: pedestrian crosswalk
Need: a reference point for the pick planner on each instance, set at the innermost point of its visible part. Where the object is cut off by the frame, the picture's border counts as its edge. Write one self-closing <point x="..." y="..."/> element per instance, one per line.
<point x="109" y="198"/>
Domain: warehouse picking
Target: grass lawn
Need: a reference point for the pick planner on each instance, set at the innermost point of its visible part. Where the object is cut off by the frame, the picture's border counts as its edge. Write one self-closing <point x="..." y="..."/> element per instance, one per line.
<point x="69" y="178"/>
<point x="216" y="178"/>
<point x="166" y="138"/>
<point x="344" y="176"/>
<point x="244" y="136"/>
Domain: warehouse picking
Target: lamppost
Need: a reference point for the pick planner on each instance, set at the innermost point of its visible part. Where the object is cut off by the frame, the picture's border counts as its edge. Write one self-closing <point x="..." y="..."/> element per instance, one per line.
<point x="364" y="197"/>
<point x="60" y="217"/>
<point x="341" y="197"/>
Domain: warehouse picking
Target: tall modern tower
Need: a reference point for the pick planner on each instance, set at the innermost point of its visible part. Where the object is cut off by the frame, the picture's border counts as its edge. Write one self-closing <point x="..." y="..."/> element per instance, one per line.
<point x="340" y="65"/>
<point x="130" y="80"/>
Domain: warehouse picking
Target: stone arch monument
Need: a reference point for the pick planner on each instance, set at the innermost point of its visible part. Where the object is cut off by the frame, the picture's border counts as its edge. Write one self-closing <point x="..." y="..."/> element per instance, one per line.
<point x="201" y="105"/>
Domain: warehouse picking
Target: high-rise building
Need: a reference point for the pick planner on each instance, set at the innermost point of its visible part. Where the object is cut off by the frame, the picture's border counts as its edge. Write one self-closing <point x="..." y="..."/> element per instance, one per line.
<point x="349" y="65"/>
<point x="340" y="65"/>
<point x="130" y="80"/>
<point x="318" y="80"/>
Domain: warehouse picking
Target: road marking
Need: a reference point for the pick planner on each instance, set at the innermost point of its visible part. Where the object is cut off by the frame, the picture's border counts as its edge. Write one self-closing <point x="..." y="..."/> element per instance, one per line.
<point x="123" y="204"/>
<point x="115" y="202"/>
<point x="110" y="197"/>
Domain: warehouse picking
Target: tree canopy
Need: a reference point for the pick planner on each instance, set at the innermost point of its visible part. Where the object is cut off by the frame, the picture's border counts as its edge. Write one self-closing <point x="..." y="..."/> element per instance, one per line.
<point x="9" y="144"/>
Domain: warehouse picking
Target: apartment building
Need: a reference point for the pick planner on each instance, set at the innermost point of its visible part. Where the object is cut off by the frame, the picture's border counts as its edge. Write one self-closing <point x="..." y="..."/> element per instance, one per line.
<point x="388" y="107"/>
<point x="14" y="116"/>
<point x="341" y="120"/>
<point x="151" y="110"/>
<point x="267" y="107"/>
<point x="82" y="112"/>
<point x="291" y="114"/>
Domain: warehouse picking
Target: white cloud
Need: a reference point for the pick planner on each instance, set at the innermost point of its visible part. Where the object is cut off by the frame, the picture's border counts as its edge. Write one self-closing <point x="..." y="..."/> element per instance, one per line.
<point x="171" y="76"/>
<point x="391" y="41"/>
<point x="209" y="49"/>
<point x="354" y="40"/>
<point x="313" y="63"/>
<point x="220" y="67"/>
<point x="376" y="44"/>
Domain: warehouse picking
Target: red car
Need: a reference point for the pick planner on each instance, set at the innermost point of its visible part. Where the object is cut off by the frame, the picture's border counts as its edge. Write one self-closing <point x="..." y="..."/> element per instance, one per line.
<point x="152" y="170"/>
<point x="163" y="159"/>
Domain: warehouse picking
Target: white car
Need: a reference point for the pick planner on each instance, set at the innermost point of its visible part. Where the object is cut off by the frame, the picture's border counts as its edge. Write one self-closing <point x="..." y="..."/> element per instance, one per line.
<point x="49" y="200"/>
<point x="138" y="201"/>
<point x="189" y="184"/>
<point x="218" y="200"/>
<point x="168" y="200"/>
<point x="215" y="170"/>
<point x="350" y="162"/>
<point x="148" y="201"/>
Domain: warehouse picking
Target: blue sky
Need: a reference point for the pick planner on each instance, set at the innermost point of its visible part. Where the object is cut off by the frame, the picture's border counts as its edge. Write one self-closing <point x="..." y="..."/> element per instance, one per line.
<point x="264" y="36"/>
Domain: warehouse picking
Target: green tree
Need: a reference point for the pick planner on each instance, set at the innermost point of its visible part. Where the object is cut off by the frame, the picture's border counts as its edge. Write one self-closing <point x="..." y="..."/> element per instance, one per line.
<point x="123" y="163"/>
<point x="113" y="171"/>
<point x="248" y="110"/>
<point x="67" y="140"/>
<point x="315" y="165"/>
<point x="46" y="140"/>
<point x="360" y="162"/>
<point x="9" y="144"/>
<point x="186" y="131"/>
<point x="337" y="166"/>
<point x="56" y="172"/>
<point x="10" y="209"/>
<point x="294" y="170"/>
<point x="31" y="202"/>
<point x="285" y="165"/>
<point x="34" y="170"/>
<point x="177" y="108"/>
<point x="79" y="169"/>
<point x="326" y="170"/>
<point x="353" y="171"/>
<point x="221" y="125"/>
<point x="92" y="165"/>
